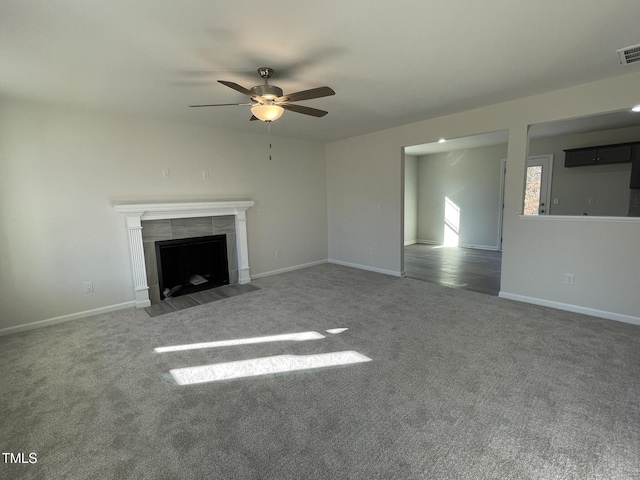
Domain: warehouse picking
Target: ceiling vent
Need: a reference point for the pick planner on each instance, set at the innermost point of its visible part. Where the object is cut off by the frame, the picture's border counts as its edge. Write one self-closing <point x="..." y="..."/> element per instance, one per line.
<point x="629" y="55"/>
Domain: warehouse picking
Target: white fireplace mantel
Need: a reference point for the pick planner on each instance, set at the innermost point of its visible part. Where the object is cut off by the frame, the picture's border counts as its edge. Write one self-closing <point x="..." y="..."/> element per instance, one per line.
<point x="136" y="212"/>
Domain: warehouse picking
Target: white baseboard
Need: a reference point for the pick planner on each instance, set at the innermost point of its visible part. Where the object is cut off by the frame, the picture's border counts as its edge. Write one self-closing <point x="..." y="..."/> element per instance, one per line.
<point x="66" y="318"/>
<point x="618" y="317"/>
<point x="288" y="269"/>
<point x="366" y="267"/>
<point x="410" y="242"/>
<point x="428" y="242"/>
<point x="121" y="306"/>
<point x="462" y="245"/>
<point x="479" y="247"/>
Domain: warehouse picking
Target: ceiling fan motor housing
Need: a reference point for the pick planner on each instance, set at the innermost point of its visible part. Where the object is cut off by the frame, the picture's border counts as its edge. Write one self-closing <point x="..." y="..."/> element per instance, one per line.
<point x="267" y="91"/>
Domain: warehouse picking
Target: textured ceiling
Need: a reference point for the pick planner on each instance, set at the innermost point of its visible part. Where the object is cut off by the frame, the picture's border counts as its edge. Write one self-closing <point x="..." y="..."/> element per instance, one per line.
<point x="389" y="63"/>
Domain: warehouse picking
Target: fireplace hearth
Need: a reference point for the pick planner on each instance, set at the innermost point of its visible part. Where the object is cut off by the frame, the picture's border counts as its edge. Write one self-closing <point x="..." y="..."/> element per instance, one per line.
<point x="190" y="265"/>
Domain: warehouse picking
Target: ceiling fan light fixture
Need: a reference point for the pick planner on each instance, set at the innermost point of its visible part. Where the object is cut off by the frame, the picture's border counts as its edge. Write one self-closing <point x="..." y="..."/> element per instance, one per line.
<point x="267" y="113"/>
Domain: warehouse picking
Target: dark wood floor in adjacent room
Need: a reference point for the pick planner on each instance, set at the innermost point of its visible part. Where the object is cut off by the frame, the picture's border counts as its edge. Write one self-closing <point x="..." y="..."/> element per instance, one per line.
<point x="466" y="268"/>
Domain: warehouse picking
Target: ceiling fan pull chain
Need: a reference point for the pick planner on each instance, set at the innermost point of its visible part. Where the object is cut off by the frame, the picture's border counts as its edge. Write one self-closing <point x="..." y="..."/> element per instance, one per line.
<point x="269" y="130"/>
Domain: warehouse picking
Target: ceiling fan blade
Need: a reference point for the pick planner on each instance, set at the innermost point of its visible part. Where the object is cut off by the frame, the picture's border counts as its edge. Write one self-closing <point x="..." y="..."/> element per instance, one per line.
<point x="221" y="105"/>
<point x="238" y="88"/>
<point x="314" y="112"/>
<point x="307" y="94"/>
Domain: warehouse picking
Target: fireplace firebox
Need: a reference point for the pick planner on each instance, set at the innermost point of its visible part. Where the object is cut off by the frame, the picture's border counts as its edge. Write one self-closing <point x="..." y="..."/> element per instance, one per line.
<point x="189" y="265"/>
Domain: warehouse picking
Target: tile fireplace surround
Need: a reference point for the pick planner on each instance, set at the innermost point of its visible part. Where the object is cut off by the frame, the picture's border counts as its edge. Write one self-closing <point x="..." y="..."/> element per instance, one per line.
<point x="136" y="213"/>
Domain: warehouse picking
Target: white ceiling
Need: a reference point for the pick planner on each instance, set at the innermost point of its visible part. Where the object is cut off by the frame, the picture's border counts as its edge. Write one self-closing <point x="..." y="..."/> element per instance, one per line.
<point x="390" y="63"/>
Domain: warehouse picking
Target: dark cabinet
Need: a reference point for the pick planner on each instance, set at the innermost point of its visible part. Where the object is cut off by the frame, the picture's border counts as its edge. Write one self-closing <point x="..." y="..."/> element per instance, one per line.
<point x="604" y="154"/>
<point x="635" y="167"/>
<point x="614" y="154"/>
<point x="579" y="157"/>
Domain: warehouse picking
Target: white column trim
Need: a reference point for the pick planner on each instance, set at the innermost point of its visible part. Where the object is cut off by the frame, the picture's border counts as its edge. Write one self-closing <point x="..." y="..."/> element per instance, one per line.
<point x="242" y="248"/>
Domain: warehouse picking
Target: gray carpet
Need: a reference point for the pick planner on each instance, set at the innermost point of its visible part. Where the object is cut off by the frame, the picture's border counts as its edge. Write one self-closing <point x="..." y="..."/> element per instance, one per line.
<point x="461" y="386"/>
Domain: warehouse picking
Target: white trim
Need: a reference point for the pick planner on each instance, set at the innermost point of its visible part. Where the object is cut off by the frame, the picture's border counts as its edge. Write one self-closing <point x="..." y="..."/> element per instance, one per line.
<point x="493" y="248"/>
<point x="137" y="212"/>
<point x="428" y="242"/>
<point x="410" y="242"/>
<point x="288" y="269"/>
<point x="503" y="177"/>
<point x="581" y="218"/>
<point x="618" y="317"/>
<point x="160" y="211"/>
<point x="66" y="318"/>
<point x="366" y="267"/>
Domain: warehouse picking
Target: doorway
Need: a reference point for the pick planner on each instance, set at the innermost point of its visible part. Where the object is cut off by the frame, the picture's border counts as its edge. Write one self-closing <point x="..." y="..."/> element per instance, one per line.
<point x="537" y="188"/>
<point x="453" y="200"/>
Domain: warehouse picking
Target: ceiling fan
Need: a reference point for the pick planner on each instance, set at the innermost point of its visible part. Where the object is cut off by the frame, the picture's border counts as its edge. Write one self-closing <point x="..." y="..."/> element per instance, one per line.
<point x="268" y="102"/>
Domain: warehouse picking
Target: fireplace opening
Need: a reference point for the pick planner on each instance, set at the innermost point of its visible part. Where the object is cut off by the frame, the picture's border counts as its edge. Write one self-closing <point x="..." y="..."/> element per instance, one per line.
<point x="189" y="265"/>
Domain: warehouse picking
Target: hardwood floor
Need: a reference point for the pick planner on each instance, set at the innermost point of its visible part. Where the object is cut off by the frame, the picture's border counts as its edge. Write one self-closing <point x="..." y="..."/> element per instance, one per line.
<point x="466" y="268"/>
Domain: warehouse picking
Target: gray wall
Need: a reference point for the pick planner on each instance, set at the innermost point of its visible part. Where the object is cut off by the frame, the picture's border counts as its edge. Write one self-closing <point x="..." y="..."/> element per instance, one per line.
<point x="470" y="178"/>
<point x="537" y="251"/>
<point x="63" y="169"/>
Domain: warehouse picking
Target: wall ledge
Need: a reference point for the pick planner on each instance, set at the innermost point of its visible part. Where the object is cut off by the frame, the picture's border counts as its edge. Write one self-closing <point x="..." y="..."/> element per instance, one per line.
<point x="580" y="218"/>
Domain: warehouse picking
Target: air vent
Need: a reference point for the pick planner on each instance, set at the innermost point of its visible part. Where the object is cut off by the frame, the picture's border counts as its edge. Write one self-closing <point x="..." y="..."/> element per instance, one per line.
<point x="629" y="55"/>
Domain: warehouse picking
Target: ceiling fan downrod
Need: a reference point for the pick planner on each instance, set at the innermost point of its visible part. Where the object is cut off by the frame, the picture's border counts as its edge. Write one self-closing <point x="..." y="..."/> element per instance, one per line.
<point x="266" y="91"/>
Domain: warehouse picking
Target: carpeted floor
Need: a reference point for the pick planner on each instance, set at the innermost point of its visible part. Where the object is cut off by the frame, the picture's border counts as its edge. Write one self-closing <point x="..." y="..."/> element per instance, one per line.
<point x="461" y="386"/>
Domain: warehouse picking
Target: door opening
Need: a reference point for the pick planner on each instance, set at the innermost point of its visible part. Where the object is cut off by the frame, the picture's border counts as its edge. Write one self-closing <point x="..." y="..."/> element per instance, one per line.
<point x="537" y="187"/>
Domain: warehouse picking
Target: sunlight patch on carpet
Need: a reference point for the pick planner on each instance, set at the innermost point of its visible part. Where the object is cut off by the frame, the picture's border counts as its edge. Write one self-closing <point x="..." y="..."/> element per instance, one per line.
<point x="264" y="366"/>
<point x="336" y="330"/>
<point x="286" y="337"/>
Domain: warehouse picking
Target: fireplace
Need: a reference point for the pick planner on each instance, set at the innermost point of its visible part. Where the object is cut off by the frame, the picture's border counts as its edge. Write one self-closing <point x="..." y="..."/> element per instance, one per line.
<point x="190" y="265"/>
<point x="137" y="214"/>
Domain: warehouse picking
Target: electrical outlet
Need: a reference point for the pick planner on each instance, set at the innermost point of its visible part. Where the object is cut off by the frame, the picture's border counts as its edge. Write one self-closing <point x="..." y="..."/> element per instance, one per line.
<point x="369" y="251"/>
<point x="205" y="174"/>
<point x="556" y="201"/>
<point x="278" y="254"/>
<point x="166" y="173"/>
<point x="568" y="279"/>
<point x="87" y="287"/>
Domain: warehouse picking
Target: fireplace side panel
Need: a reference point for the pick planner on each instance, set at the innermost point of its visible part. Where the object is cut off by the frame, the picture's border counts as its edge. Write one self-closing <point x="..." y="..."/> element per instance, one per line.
<point x="227" y="225"/>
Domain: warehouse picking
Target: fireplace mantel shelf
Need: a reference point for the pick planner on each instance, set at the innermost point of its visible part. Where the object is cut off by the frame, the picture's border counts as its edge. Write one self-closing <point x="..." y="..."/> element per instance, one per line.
<point x="158" y="211"/>
<point x="136" y="212"/>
